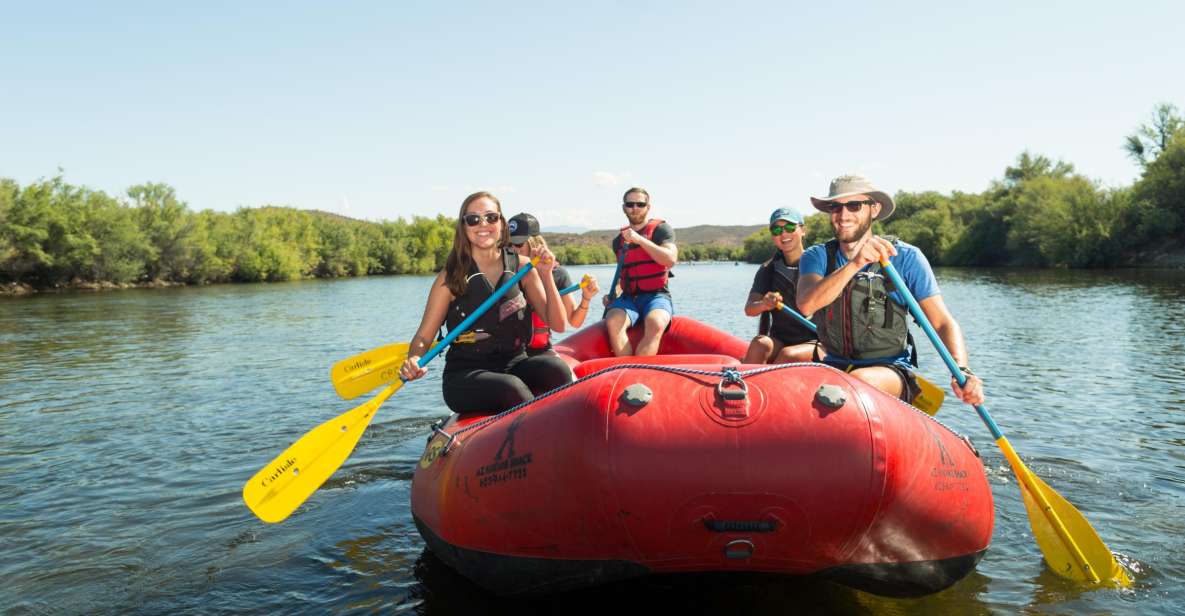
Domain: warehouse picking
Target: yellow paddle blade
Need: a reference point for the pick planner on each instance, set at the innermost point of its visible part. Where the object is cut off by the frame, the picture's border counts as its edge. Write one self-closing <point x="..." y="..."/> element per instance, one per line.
<point x="1069" y="543"/>
<point x="930" y="396"/>
<point x="287" y="481"/>
<point x="364" y="372"/>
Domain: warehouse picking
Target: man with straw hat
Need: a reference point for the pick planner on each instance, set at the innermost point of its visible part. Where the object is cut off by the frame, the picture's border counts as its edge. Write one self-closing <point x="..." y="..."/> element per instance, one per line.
<point x="862" y="319"/>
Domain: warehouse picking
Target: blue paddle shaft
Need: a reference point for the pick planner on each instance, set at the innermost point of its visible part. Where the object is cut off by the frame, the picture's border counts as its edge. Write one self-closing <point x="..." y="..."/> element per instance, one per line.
<point x="617" y="272"/>
<point x="572" y="289"/>
<point x="801" y="319"/>
<point x="920" y="317"/>
<point x="475" y="315"/>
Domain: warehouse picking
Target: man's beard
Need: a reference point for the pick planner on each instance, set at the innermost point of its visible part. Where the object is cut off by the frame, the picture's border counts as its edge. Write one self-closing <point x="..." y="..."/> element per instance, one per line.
<point x="857" y="233"/>
<point x="637" y="217"/>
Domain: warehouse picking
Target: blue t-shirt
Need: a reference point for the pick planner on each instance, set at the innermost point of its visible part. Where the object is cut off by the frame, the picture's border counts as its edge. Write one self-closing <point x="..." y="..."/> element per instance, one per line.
<point x="910" y="263"/>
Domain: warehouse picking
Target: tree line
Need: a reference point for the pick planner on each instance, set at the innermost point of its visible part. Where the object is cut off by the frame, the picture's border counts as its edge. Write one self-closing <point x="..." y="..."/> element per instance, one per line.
<point x="54" y="234"/>
<point x="1041" y="213"/>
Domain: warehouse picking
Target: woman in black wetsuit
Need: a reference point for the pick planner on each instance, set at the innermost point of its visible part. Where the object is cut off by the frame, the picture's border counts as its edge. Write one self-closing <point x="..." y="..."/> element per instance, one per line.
<point x="491" y="371"/>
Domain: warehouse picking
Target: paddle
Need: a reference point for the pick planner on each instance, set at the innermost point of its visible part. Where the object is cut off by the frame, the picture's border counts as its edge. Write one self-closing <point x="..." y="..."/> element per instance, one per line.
<point x="616" y="277"/>
<point x="287" y="481"/>
<point x="362" y="373"/>
<point x="1071" y="547"/>
<point x="930" y="396"/>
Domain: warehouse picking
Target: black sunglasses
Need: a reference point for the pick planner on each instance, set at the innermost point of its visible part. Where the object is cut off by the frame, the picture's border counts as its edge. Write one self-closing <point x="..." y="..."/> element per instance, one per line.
<point x="851" y="206"/>
<point x="788" y="228"/>
<point x="633" y="204"/>
<point x="475" y="219"/>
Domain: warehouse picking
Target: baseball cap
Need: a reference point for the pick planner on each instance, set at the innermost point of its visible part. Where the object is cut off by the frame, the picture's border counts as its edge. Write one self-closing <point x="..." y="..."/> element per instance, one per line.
<point x="521" y="227"/>
<point x="787" y="214"/>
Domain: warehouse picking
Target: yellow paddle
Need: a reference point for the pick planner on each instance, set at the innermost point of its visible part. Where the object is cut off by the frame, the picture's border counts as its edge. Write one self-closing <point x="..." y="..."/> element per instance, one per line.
<point x="930" y="396"/>
<point x="279" y="488"/>
<point x="1071" y="547"/>
<point x="364" y="372"/>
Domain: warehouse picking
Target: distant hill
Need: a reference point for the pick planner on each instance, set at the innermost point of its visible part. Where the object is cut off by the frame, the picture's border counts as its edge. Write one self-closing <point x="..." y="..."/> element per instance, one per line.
<point x="732" y="236"/>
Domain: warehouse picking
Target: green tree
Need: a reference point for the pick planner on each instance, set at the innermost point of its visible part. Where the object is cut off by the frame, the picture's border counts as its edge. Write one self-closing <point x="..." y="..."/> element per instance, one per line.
<point x="1149" y="140"/>
<point x="1159" y="196"/>
<point x="168" y="227"/>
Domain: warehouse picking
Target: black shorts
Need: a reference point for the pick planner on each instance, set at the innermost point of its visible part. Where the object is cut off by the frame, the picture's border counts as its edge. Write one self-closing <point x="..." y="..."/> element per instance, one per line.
<point x="909" y="380"/>
<point x="791" y="340"/>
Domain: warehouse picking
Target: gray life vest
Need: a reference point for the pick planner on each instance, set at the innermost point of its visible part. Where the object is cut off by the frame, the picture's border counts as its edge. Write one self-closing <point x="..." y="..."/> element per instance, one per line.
<point x="863" y="322"/>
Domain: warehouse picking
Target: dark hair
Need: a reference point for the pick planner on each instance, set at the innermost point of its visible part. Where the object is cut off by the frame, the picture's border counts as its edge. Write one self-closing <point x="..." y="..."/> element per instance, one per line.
<point x="456" y="268"/>
<point x="636" y="189"/>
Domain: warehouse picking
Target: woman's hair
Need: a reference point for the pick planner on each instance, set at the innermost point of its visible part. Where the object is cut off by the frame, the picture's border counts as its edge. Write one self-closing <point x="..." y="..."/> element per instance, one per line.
<point x="537" y="243"/>
<point x="456" y="268"/>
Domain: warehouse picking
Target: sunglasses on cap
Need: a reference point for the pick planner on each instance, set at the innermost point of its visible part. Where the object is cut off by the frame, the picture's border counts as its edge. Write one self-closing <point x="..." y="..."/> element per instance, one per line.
<point x="634" y="204"/>
<point x="475" y="219"/>
<point x="776" y="230"/>
<point x="851" y="206"/>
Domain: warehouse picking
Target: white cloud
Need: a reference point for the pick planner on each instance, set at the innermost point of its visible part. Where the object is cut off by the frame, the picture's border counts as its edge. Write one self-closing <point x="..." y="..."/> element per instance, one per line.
<point x="608" y="179"/>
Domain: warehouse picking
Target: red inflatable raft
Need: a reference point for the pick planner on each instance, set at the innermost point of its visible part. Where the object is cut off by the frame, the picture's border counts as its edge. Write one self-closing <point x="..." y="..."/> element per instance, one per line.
<point x="691" y="462"/>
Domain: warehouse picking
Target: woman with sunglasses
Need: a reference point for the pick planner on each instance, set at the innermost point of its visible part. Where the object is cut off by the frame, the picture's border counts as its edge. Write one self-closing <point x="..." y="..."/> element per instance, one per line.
<point x="780" y="337"/>
<point x="489" y="371"/>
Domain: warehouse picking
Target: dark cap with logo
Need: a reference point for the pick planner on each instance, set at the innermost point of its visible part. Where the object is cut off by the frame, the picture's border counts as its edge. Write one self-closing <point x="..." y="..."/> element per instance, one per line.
<point x="521" y="227"/>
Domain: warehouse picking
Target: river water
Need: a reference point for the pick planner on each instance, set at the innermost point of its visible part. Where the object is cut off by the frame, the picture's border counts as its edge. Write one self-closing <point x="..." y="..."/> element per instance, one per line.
<point x="129" y="421"/>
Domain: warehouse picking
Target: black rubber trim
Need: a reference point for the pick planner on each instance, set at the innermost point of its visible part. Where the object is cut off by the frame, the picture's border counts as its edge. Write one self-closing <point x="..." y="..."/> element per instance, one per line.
<point x="525" y="575"/>
<point x="914" y="579"/>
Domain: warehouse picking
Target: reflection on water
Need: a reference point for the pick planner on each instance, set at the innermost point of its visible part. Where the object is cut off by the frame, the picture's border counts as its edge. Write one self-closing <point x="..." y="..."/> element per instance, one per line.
<point x="129" y="420"/>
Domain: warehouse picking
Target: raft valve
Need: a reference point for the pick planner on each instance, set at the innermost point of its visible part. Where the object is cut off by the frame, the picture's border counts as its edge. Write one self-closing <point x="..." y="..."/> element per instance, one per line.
<point x="830" y="396"/>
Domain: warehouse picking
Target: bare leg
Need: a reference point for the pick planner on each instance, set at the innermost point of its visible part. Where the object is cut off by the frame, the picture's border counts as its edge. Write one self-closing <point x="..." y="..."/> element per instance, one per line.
<point x="882" y="377"/>
<point x="616" y="322"/>
<point x="656" y="323"/>
<point x="796" y="353"/>
<point x="761" y="350"/>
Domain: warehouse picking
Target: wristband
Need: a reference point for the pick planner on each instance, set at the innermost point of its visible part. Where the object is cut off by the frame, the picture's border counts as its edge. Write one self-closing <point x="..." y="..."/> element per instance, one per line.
<point x="966" y="370"/>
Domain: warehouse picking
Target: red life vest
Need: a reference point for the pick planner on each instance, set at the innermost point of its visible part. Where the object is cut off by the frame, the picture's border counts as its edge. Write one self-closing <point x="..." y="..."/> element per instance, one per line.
<point x="540" y="333"/>
<point x="639" y="272"/>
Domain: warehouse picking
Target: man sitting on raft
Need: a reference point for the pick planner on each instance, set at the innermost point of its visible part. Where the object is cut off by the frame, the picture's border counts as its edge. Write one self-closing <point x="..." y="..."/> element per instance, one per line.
<point x="526" y="241"/>
<point x="646" y="252"/>
<point x="781" y="338"/>
<point x="862" y="319"/>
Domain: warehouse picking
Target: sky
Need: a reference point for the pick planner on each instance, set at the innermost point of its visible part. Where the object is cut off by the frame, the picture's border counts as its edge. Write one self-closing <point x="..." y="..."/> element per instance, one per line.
<point x="723" y="111"/>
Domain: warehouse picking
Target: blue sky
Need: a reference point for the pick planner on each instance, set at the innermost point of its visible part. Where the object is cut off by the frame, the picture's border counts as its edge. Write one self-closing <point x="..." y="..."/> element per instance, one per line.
<point x="381" y="110"/>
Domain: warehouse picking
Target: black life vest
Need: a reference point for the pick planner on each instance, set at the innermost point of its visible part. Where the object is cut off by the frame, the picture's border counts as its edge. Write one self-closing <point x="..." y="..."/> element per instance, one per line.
<point x="863" y="322"/>
<point x="639" y="272"/>
<point x="776" y="323"/>
<point x="502" y="330"/>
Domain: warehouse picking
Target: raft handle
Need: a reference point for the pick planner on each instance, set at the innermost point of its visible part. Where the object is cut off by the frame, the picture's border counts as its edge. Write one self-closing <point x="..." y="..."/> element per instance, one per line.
<point x="436" y="429"/>
<point x="730" y="376"/>
<point x="740" y="526"/>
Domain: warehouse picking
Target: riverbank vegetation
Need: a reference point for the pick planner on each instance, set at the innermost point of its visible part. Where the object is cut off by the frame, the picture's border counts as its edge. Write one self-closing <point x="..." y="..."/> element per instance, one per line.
<point x="1041" y="213"/>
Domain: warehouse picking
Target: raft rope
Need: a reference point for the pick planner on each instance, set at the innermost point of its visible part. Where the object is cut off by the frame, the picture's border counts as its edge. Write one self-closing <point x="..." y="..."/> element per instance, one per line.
<point x="727" y="374"/>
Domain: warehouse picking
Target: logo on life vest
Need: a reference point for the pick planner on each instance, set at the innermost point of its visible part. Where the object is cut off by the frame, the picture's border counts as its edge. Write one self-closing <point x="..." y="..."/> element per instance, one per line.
<point x="511" y="306"/>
